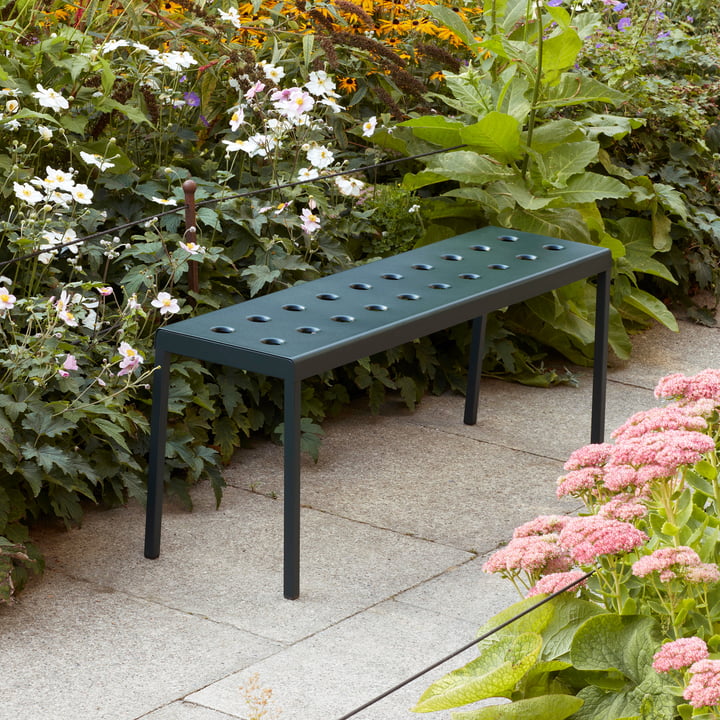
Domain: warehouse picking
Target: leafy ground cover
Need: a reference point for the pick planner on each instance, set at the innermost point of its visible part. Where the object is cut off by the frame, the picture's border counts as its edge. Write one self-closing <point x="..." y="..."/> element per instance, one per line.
<point x="593" y="121"/>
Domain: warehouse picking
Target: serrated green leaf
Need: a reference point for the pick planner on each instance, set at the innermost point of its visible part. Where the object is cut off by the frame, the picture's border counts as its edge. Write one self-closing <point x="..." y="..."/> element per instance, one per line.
<point x="493" y="674"/>
<point x="113" y="431"/>
<point x="543" y="707"/>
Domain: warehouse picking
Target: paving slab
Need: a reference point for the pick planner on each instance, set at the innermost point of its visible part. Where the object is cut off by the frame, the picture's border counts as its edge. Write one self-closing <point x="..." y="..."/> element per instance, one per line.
<point x="336" y="671"/>
<point x="464" y="592"/>
<point x="72" y="649"/>
<point x="549" y="422"/>
<point x="190" y="711"/>
<point x="227" y="564"/>
<point x="659" y="352"/>
<point x="419" y="481"/>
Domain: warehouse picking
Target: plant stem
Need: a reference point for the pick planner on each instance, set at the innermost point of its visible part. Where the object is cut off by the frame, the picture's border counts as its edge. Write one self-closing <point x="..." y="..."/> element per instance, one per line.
<point x="536" y="93"/>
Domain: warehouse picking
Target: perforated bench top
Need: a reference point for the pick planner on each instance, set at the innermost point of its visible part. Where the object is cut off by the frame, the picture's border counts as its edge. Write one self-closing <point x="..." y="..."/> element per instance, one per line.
<point x="316" y="326"/>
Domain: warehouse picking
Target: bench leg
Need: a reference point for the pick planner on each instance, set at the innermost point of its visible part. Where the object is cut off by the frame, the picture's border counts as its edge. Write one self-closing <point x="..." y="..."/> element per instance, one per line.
<point x="291" y="577"/>
<point x="602" y="323"/>
<point x="472" y="395"/>
<point x="156" y="467"/>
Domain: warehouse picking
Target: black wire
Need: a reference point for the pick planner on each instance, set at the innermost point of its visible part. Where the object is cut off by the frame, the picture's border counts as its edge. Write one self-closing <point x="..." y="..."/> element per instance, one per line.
<point x="465" y="647"/>
<point x="214" y="201"/>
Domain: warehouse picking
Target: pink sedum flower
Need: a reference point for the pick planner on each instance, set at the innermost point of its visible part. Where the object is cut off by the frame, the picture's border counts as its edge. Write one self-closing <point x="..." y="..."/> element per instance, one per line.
<point x="533" y="554"/>
<point x="557" y="581"/>
<point x="672" y="417"/>
<point x="703" y="689"/>
<point x="595" y="455"/>
<point x="666" y="452"/>
<point x="625" y="507"/>
<point x="587" y="538"/>
<point x="542" y="525"/>
<point x="705" y="384"/>
<point x="680" y="654"/>
<point x="579" y="481"/>
<point x="674" y="562"/>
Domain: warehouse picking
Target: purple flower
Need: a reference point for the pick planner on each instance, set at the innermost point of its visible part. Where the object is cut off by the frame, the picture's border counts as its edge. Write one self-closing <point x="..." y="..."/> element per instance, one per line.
<point x="192" y="99"/>
<point x="624" y="24"/>
<point x="619" y="7"/>
<point x="554" y="3"/>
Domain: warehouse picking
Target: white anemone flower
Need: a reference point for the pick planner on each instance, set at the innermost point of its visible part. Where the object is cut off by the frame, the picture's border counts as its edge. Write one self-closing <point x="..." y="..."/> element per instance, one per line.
<point x="82" y="194"/>
<point x="27" y="193"/>
<point x="97" y="160"/>
<point x="49" y="98"/>
<point x="319" y="156"/>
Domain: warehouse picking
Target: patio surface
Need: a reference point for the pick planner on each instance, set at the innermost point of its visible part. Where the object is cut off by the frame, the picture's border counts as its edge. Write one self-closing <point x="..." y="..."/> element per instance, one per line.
<point x="398" y="516"/>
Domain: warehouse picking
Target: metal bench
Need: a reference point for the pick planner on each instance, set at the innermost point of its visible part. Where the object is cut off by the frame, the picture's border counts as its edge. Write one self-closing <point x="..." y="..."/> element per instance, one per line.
<point x="316" y="326"/>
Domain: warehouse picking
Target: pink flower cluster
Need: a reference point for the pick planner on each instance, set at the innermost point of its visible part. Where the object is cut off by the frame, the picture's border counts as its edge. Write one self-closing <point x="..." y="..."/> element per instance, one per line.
<point x="674" y="562"/>
<point x="703" y="689"/>
<point x="542" y="525"/>
<point x="680" y="654"/>
<point x="587" y="538"/>
<point x="636" y="460"/>
<point x="705" y="384"/>
<point x="557" y="581"/>
<point x="672" y="417"/>
<point x="532" y="554"/>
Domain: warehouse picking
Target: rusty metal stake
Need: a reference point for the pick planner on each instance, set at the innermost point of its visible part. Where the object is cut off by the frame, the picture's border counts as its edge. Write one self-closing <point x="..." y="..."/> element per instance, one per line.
<point x="189" y="188"/>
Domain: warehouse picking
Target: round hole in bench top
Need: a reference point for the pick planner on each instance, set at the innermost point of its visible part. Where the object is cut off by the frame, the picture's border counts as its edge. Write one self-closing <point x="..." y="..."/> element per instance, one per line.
<point x="526" y="256"/>
<point x="392" y="276"/>
<point x="408" y="296"/>
<point x="498" y="266"/>
<point x="272" y="341"/>
<point x="361" y="286"/>
<point x="343" y="318"/>
<point x="480" y="248"/>
<point x="422" y="266"/>
<point x="439" y="286"/>
<point x="469" y="276"/>
<point x="223" y="329"/>
<point x="553" y="246"/>
<point x="451" y="256"/>
<point x="327" y="296"/>
<point x="255" y="318"/>
<point x="507" y="238"/>
<point x="376" y="308"/>
<point x="293" y="307"/>
<point x="308" y="330"/>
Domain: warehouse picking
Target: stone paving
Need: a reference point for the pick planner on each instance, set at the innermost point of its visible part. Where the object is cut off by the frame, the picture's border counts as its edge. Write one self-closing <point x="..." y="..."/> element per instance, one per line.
<point x="398" y="516"/>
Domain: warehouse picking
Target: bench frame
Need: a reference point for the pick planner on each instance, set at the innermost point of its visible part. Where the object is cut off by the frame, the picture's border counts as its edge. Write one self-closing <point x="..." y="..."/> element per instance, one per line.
<point x="497" y="268"/>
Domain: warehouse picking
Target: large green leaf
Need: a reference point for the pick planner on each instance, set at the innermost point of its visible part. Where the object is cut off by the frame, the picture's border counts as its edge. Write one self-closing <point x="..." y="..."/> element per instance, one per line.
<point x="563" y="161"/>
<point x="467" y="166"/>
<point x="575" y="89"/>
<point x="493" y="674"/>
<point x="560" y="51"/>
<point x="563" y="223"/>
<point x="554" y="133"/>
<point x="650" y="305"/>
<point x="543" y="707"/>
<point x="496" y="134"/>
<point x="625" y="643"/>
<point x="436" y="129"/>
<point x="589" y="187"/>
